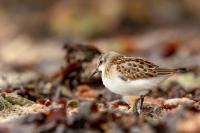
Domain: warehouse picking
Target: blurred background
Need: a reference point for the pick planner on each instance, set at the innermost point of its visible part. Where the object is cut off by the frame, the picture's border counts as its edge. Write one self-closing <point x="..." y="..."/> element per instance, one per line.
<point x="33" y="32"/>
<point x="93" y="18"/>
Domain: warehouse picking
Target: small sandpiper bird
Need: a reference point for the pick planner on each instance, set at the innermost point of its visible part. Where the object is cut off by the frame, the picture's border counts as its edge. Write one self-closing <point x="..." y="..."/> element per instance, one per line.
<point x="131" y="75"/>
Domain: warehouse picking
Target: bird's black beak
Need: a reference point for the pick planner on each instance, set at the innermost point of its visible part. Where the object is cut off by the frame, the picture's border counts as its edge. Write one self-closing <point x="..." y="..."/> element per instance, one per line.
<point x="96" y="71"/>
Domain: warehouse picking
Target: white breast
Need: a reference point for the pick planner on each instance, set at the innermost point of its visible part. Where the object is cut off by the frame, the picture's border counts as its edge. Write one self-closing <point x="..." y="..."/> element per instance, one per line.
<point x="134" y="87"/>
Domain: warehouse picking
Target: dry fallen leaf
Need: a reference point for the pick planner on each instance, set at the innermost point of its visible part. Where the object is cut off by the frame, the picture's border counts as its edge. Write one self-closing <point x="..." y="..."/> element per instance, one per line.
<point x="178" y="101"/>
<point x="190" y="124"/>
<point x="85" y="91"/>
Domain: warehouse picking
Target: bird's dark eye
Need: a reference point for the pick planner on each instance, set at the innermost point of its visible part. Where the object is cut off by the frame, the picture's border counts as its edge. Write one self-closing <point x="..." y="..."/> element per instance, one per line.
<point x="100" y="62"/>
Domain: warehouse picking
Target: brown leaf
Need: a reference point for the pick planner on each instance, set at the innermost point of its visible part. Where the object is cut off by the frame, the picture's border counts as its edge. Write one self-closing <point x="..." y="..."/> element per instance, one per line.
<point x="190" y="124"/>
<point x="85" y="91"/>
<point x="170" y="49"/>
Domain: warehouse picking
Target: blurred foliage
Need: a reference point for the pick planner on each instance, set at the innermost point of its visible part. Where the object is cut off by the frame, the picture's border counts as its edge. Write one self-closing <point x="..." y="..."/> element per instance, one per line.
<point x="93" y="18"/>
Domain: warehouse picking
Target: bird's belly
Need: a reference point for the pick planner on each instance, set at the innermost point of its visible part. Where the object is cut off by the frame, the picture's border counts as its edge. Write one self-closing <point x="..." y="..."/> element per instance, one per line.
<point x="135" y="87"/>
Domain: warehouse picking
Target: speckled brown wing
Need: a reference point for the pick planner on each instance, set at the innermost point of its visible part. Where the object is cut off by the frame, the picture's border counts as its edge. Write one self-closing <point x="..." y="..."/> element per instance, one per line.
<point x="131" y="68"/>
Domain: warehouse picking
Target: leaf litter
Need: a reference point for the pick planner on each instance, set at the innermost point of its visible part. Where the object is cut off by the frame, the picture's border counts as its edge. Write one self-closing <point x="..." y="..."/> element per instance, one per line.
<point x="70" y="102"/>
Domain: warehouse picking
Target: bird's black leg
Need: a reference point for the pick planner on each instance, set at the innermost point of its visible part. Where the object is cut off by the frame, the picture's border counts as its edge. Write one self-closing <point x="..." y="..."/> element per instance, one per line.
<point x="139" y="104"/>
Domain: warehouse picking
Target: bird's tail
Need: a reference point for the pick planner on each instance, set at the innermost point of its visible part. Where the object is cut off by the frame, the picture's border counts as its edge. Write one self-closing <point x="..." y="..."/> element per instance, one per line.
<point x="181" y="70"/>
<point x="165" y="71"/>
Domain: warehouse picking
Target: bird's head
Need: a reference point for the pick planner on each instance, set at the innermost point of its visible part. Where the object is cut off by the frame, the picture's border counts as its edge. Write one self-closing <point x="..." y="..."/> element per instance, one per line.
<point x="103" y="60"/>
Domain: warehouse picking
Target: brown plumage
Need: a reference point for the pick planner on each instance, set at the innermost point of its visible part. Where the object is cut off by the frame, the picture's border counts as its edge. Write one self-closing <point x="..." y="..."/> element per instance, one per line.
<point x="132" y="68"/>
